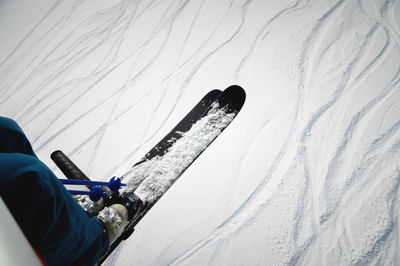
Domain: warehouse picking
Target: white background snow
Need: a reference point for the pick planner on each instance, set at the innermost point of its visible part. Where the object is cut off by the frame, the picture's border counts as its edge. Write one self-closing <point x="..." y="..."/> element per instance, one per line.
<point x="307" y="174"/>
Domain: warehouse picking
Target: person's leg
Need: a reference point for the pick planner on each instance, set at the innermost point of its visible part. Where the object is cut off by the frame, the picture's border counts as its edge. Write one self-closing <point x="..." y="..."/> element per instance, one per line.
<point x="48" y="215"/>
<point x="12" y="138"/>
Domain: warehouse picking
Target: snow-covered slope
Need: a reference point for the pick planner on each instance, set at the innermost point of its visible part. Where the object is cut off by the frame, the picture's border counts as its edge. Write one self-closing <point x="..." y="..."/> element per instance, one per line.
<point x="307" y="174"/>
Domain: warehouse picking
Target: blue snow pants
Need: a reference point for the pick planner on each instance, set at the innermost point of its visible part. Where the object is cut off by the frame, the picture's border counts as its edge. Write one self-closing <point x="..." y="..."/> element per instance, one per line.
<point x="46" y="212"/>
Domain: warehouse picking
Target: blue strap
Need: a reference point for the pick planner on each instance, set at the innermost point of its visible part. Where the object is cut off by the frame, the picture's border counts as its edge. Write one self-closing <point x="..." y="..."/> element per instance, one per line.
<point x="95" y="194"/>
<point x="80" y="192"/>
<point x="113" y="184"/>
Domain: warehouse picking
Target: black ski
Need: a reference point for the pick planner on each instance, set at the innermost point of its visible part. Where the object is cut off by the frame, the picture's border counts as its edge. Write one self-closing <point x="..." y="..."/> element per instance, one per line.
<point x="71" y="171"/>
<point x="217" y="104"/>
<point x="231" y="100"/>
<point x="184" y="125"/>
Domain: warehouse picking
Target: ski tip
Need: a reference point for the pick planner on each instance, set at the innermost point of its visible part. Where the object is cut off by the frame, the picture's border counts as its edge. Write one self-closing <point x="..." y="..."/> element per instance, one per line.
<point x="237" y="91"/>
<point x="212" y="95"/>
<point x="234" y="96"/>
<point x="215" y="91"/>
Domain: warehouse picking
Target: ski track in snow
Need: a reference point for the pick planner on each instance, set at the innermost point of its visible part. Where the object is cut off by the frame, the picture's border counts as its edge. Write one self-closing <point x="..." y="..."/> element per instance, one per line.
<point x="315" y="177"/>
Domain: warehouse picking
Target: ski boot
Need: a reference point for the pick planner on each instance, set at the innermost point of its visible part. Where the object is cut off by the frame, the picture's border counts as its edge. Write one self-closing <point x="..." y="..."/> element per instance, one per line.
<point x="91" y="207"/>
<point x="117" y="216"/>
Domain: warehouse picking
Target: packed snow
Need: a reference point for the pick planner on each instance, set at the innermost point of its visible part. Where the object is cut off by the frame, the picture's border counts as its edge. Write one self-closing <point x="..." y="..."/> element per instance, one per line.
<point x="308" y="173"/>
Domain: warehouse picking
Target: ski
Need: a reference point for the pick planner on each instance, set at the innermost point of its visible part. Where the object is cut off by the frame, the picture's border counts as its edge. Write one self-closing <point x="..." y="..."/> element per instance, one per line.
<point x="184" y="125"/>
<point x="71" y="171"/>
<point x="150" y="178"/>
<point x="161" y="167"/>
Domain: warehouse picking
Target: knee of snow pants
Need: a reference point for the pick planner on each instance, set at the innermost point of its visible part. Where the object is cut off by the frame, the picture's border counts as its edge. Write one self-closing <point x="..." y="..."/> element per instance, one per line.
<point x="12" y="138"/>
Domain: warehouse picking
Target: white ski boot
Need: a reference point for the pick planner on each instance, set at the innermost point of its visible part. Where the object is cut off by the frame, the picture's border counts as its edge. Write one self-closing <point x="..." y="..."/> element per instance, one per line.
<point x="117" y="216"/>
<point x="115" y="219"/>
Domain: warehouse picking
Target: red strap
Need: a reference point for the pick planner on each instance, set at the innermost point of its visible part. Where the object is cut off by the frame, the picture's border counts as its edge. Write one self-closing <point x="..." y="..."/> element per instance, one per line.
<point x="44" y="263"/>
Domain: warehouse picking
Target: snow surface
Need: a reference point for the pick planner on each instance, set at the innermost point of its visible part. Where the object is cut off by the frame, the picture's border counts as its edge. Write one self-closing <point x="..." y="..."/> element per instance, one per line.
<point x="306" y="174"/>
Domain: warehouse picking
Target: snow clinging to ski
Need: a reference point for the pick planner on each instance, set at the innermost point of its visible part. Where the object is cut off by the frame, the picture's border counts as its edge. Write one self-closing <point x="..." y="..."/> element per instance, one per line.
<point x="152" y="178"/>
